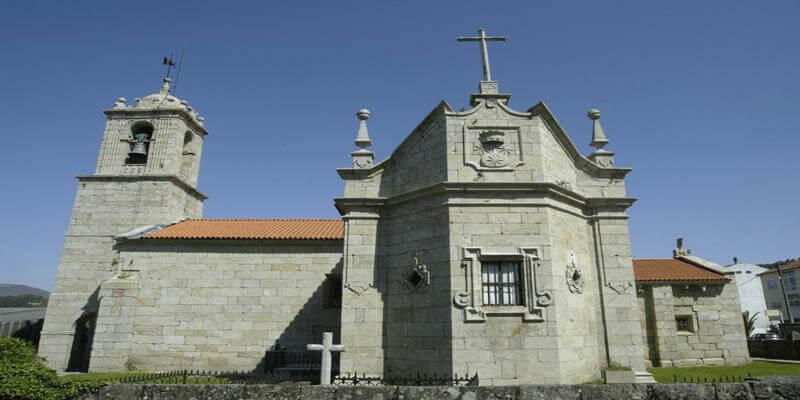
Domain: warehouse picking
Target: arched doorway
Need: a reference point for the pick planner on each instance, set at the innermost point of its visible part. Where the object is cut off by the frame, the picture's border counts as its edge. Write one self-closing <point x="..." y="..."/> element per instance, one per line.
<point x="82" y="343"/>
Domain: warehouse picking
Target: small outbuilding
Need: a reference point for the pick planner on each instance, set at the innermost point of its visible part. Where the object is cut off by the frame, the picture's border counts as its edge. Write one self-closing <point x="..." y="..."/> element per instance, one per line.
<point x="691" y="311"/>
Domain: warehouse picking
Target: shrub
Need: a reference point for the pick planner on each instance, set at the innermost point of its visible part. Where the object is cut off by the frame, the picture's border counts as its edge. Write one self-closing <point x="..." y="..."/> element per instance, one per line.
<point x="25" y="377"/>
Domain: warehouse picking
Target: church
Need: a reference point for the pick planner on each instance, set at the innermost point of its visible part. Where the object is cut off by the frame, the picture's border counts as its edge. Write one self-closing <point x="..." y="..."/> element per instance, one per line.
<point x="485" y="243"/>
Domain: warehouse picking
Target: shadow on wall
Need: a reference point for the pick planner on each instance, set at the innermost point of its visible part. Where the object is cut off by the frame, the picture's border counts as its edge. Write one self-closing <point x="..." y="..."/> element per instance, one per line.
<point x="417" y="326"/>
<point x="80" y="353"/>
<point x="322" y="312"/>
<point x="28" y="330"/>
<point x="650" y="327"/>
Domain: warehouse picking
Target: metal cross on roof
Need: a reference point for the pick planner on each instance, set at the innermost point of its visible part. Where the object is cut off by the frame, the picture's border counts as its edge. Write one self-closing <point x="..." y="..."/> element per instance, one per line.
<point x="487" y="72"/>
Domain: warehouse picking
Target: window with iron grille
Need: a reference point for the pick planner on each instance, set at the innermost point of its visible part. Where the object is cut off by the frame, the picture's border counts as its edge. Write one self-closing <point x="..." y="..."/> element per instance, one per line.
<point x="683" y="323"/>
<point x="501" y="283"/>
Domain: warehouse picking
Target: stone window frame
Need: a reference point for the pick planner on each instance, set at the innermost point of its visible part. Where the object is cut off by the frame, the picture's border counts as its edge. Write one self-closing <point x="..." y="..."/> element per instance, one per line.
<point x="535" y="301"/>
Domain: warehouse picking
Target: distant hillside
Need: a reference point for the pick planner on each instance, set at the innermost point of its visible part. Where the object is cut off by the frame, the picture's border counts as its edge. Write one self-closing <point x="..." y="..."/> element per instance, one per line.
<point x="11" y="289"/>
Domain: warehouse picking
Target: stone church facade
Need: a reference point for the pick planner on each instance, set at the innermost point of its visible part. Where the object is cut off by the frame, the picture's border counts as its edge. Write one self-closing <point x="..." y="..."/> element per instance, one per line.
<point x="486" y="242"/>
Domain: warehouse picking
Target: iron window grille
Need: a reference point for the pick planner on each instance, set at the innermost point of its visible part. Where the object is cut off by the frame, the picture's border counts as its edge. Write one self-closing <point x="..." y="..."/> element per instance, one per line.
<point x="683" y="324"/>
<point x="501" y="283"/>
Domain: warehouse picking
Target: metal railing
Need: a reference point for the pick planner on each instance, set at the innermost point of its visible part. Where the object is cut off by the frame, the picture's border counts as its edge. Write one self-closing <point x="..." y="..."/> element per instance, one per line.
<point x="189" y="377"/>
<point x="408" y="380"/>
<point x="289" y="361"/>
<point x="705" y="379"/>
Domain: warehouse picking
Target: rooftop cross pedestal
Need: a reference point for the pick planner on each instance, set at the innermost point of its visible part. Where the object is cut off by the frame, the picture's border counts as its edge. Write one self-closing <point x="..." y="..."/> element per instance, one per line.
<point x="327" y="347"/>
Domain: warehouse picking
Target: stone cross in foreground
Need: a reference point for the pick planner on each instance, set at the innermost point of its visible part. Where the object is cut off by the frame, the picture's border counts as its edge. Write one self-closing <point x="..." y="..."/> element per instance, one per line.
<point x="327" y="347"/>
<point x="487" y="72"/>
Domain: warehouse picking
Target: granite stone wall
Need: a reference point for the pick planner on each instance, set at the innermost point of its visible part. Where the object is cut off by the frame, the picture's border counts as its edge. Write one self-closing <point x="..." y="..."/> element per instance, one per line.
<point x="417" y="325"/>
<point x="716" y="336"/>
<point x="103" y="208"/>
<point x="213" y="304"/>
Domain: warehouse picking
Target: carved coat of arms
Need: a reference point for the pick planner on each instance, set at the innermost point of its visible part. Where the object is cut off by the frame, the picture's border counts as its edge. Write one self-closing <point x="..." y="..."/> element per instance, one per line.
<point x="494" y="151"/>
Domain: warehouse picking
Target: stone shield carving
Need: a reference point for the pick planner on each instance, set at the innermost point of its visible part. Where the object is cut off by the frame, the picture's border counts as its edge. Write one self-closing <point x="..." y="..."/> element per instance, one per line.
<point x="492" y="148"/>
<point x="494" y="151"/>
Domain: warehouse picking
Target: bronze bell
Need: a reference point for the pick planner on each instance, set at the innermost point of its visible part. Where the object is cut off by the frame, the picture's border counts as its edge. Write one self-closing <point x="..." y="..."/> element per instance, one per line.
<point x="139" y="141"/>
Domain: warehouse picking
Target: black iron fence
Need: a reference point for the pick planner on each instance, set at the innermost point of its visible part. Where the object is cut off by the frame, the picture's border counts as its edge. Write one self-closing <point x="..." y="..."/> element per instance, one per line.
<point x="409" y="380"/>
<point x="705" y="379"/>
<point x="187" y="377"/>
<point x="192" y="377"/>
<point x="301" y="363"/>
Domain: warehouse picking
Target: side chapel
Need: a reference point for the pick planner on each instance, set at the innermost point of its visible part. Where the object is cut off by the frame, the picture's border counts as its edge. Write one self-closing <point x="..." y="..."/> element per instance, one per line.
<point x="486" y="242"/>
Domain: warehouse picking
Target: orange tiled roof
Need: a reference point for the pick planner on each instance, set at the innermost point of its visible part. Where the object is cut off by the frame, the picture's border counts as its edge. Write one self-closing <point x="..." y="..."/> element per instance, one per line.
<point x="671" y="269"/>
<point x="252" y="229"/>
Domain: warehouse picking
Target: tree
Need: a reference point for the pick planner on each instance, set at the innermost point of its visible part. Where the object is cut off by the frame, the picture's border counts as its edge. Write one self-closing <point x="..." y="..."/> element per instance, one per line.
<point x="749" y="322"/>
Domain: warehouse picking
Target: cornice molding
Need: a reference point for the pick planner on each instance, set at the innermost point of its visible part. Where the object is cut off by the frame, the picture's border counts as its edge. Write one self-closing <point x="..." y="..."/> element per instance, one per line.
<point x="177" y="180"/>
<point x="141" y="113"/>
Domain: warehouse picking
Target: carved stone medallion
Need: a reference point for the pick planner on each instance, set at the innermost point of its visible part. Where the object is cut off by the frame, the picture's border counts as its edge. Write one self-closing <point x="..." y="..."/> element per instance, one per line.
<point x="492" y="148"/>
<point x="574" y="273"/>
<point x="575" y="280"/>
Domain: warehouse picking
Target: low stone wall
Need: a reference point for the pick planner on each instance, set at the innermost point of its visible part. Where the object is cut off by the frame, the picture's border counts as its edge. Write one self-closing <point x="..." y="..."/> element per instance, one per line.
<point x="772" y="388"/>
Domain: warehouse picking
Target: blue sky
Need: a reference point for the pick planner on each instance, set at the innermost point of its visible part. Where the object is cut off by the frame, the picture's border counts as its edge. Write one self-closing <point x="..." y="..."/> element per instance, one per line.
<point x="700" y="98"/>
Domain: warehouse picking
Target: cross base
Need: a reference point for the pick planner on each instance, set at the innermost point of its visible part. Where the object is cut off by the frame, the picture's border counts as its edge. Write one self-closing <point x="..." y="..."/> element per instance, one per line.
<point x="489" y="87"/>
<point x="477" y="98"/>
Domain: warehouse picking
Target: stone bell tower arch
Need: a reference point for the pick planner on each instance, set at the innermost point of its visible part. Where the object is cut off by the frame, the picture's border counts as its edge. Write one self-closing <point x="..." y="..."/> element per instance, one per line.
<point x="146" y="175"/>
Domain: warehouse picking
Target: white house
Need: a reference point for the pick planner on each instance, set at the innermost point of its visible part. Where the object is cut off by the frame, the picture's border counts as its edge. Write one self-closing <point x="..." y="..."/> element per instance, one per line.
<point x="751" y="294"/>
<point x="773" y="296"/>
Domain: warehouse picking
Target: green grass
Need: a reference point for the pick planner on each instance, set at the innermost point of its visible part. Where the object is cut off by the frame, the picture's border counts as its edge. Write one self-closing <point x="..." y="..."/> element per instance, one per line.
<point x="114" y="377"/>
<point x="756" y="368"/>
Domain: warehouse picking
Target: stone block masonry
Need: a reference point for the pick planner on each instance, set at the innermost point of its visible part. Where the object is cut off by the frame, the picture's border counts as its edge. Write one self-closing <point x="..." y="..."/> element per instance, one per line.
<point x="716" y="333"/>
<point x="104" y="207"/>
<point x="213" y="304"/>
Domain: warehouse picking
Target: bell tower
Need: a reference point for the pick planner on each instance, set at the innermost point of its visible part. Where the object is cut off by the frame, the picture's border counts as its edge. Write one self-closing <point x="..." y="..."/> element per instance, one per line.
<point x="146" y="175"/>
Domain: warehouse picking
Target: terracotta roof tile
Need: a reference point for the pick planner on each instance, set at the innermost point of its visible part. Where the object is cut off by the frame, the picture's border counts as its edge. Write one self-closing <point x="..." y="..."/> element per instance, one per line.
<point x="253" y="229"/>
<point x="671" y="269"/>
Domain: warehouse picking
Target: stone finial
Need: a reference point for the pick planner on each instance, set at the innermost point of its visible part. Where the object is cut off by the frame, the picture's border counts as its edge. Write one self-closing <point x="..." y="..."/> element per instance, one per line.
<point x="165" y="86"/>
<point x="680" y="250"/>
<point x="120" y="103"/>
<point x="363" y="157"/>
<point x="600" y="156"/>
<point x="362" y="138"/>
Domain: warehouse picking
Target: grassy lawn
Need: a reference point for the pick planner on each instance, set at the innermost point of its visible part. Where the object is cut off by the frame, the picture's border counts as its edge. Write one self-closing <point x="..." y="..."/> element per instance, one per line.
<point x="756" y="368"/>
<point x="115" y="377"/>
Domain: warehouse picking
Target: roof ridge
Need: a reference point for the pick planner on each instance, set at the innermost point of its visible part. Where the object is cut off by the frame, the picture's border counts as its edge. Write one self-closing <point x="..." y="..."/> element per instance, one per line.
<point x="263" y="219"/>
<point x="637" y="259"/>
